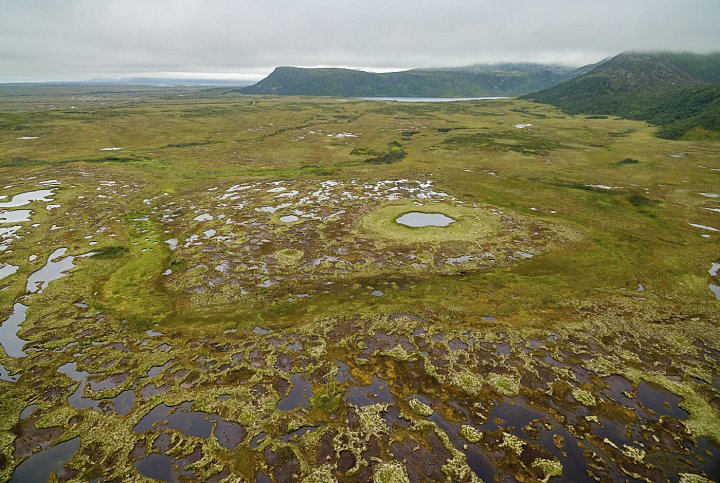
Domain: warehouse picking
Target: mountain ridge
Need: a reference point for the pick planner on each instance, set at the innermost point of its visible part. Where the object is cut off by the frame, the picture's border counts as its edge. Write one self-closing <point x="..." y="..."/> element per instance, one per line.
<point x="479" y="80"/>
<point x="678" y="92"/>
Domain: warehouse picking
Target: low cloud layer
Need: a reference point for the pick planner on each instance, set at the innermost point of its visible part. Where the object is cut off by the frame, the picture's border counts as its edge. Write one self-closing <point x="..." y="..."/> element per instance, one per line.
<point x="83" y="39"/>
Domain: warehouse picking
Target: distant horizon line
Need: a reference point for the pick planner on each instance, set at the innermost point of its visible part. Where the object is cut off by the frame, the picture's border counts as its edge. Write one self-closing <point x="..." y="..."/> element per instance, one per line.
<point x="248" y="78"/>
<point x="251" y="77"/>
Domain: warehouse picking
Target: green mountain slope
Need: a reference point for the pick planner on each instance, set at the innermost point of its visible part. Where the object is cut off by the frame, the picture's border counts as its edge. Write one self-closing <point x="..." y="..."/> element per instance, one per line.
<point x="679" y="92"/>
<point x="473" y="81"/>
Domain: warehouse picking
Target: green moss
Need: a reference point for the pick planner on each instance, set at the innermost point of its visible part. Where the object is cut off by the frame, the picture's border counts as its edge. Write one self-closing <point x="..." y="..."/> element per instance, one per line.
<point x="399" y="352"/>
<point x="693" y="478"/>
<point x="634" y="453"/>
<point x="364" y="152"/>
<point x="467" y="381"/>
<point x="507" y="386"/>
<point x="326" y="403"/>
<point x="550" y="468"/>
<point x="320" y="474"/>
<point x="110" y="252"/>
<point x="371" y="419"/>
<point x="390" y="472"/>
<point x="512" y="442"/>
<point x="457" y="469"/>
<point x="587" y="244"/>
<point x="396" y="153"/>
<point x="470" y="434"/>
<point x="472" y="225"/>
<point x="583" y="397"/>
<point x="289" y="256"/>
<point x="420" y="408"/>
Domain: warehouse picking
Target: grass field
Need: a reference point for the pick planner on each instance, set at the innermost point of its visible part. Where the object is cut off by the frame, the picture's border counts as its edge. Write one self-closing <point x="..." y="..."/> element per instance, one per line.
<point x="246" y="262"/>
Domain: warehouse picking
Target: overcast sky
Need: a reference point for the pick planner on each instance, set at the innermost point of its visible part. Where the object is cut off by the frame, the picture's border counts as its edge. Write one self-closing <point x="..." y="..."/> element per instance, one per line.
<point x="84" y="39"/>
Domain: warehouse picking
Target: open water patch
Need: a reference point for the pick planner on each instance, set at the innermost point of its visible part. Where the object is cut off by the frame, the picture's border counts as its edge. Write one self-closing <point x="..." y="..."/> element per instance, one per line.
<point x="54" y="269"/>
<point x="417" y="219"/>
<point x="121" y="404"/>
<point x="9" y="339"/>
<point x="7" y="270"/>
<point x="6" y="376"/>
<point x="299" y="396"/>
<point x="42" y="464"/>
<point x="15" y="216"/>
<point x="23" y="199"/>
<point x="660" y="401"/>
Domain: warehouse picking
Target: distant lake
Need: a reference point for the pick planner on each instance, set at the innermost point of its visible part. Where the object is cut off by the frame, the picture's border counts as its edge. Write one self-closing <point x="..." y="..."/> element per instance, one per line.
<point x="430" y="99"/>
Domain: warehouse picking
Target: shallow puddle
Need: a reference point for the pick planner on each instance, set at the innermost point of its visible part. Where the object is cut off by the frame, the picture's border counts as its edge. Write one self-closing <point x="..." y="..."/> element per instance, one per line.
<point x="191" y="423"/>
<point x="7" y="270"/>
<point x="27" y="412"/>
<point x="150" y="390"/>
<point x="504" y="348"/>
<point x="477" y="460"/>
<point x="462" y="259"/>
<point x="299" y="396"/>
<point x="121" y="404"/>
<point x="23" y="199"/>
<point x="377" y="392"/>
<point x="514" y="416"/>
<point x="522" y="254"/>
<point x="155" y="370"/>
<point x="124" y="402"/>
<point x="109" y="382"/>
<point x="416" y="219"/>
<point x="6" y="376"/>
<point x="343" y="373"/>
<point x="76" y="399"/>
<point x="659" y="400"/>
<point x="714" y="268"/>
<point x="297" y="433"/>
<point x="162" y="467"/>
<point x="53" y="270"/>
<point x="9" y="339"/>
<point x="618" y="387"/>
<point x="229" y="434"/>
<point x="42" y="464"/>
<point x="256" y="440"/>
<point x="15" y="216"/>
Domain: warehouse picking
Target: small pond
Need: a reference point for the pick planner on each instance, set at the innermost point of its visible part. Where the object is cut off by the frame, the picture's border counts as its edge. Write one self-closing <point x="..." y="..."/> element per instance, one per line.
<point x="23" y="199"/>
<point x="42" y="464"/>
<point x="416" y="219"/>
<point x="15" y="216"/>
<point x="7" y="270"/>
<point x="11" y="343"/>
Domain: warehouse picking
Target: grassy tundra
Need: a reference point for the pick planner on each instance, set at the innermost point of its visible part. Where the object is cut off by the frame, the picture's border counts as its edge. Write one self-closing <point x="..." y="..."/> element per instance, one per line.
<point x="245" y="287"/>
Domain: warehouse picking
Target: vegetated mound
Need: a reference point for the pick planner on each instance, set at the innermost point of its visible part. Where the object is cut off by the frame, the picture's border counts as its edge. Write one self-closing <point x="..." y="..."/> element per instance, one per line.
<point x="679" y="92"/>
<point x="472" y="81"/>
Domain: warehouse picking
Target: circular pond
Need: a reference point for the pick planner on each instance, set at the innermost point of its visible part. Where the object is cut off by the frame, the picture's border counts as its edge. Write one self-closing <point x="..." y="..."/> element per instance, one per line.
<point x="416" y="219"/>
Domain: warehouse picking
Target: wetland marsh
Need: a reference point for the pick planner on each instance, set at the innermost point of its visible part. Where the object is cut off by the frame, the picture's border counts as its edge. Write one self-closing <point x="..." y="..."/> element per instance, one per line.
<point x="198" y="285"/>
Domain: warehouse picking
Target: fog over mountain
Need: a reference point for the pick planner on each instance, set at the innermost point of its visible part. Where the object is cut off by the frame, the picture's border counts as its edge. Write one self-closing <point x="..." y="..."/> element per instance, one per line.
<point x="82" y="39"/>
